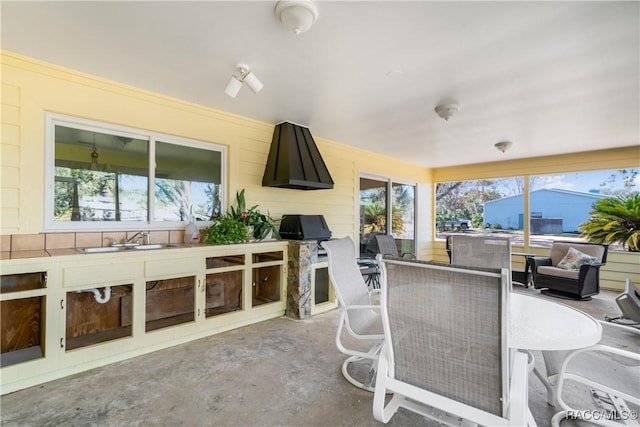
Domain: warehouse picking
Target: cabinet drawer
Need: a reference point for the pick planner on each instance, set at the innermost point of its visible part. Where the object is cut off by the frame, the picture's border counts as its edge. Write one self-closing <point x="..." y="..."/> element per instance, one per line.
<point x="169" y="267"/>
<point x="98" y="274"/>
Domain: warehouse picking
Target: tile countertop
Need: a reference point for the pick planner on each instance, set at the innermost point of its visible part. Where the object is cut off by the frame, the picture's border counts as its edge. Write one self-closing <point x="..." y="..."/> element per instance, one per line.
<point x="25" y="254"/>
<point x="58" y="252"/>
<point x="42" y="253"/>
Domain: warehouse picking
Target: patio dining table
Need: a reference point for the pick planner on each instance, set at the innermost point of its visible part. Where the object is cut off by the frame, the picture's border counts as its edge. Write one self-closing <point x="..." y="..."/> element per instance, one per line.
<point x="538" y="324"/>
<point x="551" y="327"/>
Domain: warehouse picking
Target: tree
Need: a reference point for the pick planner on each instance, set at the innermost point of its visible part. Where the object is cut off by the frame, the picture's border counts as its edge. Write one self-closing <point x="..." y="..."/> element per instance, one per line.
<point x="629" y="179"/>
<point x="85" y="183"/>
<point x="615" y="220"/>
<point x="465" y="200"/>
<point x="176" y="194"/>
<point x="375" y="218"/>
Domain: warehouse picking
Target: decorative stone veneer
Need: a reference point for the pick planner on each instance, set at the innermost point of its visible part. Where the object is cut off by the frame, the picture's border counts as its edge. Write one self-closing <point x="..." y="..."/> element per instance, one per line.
<point x="302" y="255"/>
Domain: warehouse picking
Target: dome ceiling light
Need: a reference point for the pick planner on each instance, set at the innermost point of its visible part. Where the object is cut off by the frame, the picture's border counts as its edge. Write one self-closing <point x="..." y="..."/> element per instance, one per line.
<point x="447" y="110"/>
<point x="297" y="15"/>
<point x="503" y="145"/>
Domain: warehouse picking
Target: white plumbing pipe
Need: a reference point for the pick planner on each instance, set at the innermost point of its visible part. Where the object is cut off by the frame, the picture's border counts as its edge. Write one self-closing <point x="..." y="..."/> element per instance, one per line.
<point x="98" y="297"/>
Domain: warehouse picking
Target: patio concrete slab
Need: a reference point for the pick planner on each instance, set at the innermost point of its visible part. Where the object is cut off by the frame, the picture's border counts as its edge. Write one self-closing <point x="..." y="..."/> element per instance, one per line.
<point x="281" y="372"/>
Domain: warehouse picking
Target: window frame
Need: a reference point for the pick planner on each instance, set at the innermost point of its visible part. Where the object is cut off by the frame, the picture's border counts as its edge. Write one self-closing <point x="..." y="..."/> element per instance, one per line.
<point x="54" y="119"/>
<point x="528" y="242"/>
<point x="389" y="182"/>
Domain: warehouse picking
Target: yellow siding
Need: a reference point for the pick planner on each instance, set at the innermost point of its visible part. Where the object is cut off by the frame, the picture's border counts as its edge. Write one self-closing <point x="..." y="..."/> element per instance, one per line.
<point x="10" y="159"/>
<point x="31" y="88"/>
<point x="603" y="159"/>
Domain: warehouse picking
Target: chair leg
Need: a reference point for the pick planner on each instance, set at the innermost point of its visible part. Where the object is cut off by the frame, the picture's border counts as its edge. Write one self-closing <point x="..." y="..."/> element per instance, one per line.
<point x="381" y="411"/>
<point x="369" y="382"/>
<point x="557" y="417"/>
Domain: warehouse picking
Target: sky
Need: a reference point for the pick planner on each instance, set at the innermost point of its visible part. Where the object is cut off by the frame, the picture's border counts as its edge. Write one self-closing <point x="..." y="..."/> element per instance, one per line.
<point x="585" y="181"/>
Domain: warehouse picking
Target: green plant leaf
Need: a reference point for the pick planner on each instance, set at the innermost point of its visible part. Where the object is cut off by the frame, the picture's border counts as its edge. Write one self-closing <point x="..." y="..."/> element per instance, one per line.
<point x="615" y="220"/>
<point x="232" y="227"/>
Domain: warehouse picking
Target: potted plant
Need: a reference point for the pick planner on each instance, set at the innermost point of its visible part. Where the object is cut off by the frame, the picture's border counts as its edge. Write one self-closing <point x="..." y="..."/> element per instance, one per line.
<point x="224" y="230"/>
<point x="615" y="220"/>
<point x="258" y="224"/>
<point x="240" y="225"/>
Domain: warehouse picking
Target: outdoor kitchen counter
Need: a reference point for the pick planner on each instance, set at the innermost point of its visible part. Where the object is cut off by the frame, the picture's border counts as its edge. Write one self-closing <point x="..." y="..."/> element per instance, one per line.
<point x="5" y="255"/>
<point x="70" y="311"/>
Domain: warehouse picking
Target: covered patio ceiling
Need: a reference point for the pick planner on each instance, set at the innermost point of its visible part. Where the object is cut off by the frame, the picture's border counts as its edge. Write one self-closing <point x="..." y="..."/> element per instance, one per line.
<point x="552" y="77"/>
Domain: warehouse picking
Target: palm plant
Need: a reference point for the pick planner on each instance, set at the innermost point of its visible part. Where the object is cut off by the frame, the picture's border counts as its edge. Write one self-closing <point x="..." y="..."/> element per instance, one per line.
<point x="261" y="224"/>
<point x="615" y="220"/>
<point x="240" y="222"/>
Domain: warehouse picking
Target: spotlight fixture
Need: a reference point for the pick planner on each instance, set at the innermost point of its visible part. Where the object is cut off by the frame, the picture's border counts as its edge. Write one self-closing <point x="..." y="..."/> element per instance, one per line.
<point x="246" y="77"/>
<point x="503" y="145"/>
<point x="297" y="15"/>
<point x="447" y="110"/>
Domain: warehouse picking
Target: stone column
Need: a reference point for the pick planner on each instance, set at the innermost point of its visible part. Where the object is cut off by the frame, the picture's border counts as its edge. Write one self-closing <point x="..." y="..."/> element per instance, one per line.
<point x="302" y="254"/>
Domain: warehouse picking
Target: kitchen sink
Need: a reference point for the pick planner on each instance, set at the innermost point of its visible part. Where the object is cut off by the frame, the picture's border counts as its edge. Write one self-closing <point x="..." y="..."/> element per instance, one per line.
<point x="101" y="249"/>
<point x="120" y="248"/>
<point x="152" y="246"/>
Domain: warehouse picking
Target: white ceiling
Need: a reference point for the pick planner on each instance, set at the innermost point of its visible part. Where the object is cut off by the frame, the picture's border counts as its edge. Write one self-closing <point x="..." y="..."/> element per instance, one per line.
<point x="553" y="77"/>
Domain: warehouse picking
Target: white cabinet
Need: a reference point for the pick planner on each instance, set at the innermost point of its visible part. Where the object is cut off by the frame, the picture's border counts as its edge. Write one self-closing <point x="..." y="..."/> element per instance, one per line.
<point x="77" y="312"/>
<point x="324" y="298"/>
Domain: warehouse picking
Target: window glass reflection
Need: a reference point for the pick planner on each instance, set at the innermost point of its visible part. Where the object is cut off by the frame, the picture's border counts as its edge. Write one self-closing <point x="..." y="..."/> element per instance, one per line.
<point x="187" y="185"/>
<point x="99" y="177"/>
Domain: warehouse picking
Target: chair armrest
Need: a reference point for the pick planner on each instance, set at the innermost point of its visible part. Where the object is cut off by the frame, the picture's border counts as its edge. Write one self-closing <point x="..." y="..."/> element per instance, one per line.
<point x="586" y="268"/>
<point x="364" y="307"/>
<point x="359" y="333"/>
<point x="537" y="261"/>
<point x="593" y="265"/>
<point x="589" y="272"/>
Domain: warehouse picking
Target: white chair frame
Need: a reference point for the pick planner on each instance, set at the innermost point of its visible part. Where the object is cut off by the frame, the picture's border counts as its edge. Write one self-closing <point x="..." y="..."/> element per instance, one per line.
<point x="570" y="412"/>
<point x="443" y="409"/>
<point x="376" y="340"/>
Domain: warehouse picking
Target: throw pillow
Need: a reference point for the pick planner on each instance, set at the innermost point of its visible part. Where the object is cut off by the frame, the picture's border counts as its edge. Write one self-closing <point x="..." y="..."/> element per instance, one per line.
<point x="574" y="259"/>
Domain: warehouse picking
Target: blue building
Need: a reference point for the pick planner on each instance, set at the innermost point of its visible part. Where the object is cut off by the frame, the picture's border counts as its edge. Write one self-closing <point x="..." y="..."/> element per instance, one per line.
<point x="552" y="210"/>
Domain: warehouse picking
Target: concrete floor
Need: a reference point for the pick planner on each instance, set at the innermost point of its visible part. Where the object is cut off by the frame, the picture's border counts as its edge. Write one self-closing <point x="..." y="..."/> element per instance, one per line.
<point x="281" y="372"/>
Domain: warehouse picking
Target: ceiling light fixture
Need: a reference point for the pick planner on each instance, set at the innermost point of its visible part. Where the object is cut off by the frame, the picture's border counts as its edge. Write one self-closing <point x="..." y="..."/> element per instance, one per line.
<point x="447" y="110"/>
<point x="297" y="15"/>
<point x="246" y="77"/>
<point x="503" y="145"/>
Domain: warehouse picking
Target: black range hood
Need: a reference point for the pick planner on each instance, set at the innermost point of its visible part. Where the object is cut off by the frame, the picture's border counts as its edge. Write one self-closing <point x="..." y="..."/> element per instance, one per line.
<point x="294" y="160"/>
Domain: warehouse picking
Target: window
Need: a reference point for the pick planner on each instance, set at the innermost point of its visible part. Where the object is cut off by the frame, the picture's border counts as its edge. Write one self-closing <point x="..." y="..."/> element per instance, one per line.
<point x="561" y="202"/>
<point x="108" y="177"/>
<point x="558" y="204"/>
<point x="403" y="214"/>
<point x="383" y="202"/>
<point x="481" y="206"/>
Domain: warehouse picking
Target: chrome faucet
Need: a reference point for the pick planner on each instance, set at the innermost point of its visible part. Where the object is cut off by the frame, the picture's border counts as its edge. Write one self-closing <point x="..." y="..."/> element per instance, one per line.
<point x="144" y="234"/>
